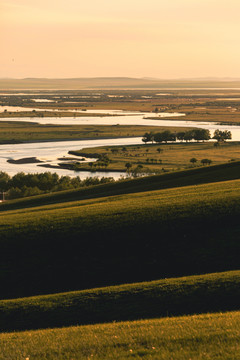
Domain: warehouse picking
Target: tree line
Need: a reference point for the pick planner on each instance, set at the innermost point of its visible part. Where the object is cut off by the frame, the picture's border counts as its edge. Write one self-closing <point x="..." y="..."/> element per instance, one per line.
<point x="21" y="184"/>
<point x="195" y="134"/>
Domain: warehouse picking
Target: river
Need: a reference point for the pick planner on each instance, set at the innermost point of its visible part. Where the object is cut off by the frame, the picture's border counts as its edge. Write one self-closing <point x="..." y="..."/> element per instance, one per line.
<point x="49" y="152"/>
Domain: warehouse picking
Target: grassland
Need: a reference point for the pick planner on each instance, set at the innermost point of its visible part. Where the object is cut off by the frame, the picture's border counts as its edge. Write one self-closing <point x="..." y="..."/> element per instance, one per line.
<point x="221" y="106"/>
<point x="168" y="297"/>
<point x="193" y="176"/>
<point x="11" y="131"/>
<point x="118" y="239"/>
<point x="157" y="158"/>
<point x="199" y="337"/>
<point x="156" y="235"/>
<point x="44" y="113"/>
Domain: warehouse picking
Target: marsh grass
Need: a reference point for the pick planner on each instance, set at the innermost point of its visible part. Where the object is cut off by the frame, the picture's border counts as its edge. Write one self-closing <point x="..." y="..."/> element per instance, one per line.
<point x="29" y="131"/>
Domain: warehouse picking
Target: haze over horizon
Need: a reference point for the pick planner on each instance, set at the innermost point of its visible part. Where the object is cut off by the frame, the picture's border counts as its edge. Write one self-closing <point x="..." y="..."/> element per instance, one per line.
<point x="180" y="39"/>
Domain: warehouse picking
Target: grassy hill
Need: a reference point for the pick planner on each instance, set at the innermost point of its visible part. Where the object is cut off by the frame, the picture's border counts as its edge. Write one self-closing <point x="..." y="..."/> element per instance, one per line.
<point x="75" y="245"/>
<point x="211" y="336"/>
<point x="167" y="297"/>
<point x="195" y="176"/>
<point x="118" y="239"/>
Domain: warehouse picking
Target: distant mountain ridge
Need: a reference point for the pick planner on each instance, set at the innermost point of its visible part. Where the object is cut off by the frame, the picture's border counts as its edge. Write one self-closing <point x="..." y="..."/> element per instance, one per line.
<point x="115" y="83"/>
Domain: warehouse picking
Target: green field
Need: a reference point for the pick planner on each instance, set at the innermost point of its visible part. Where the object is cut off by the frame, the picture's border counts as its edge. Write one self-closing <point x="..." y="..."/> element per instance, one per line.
<point x="158" y="158"/>
<point x="145" y="267"/>
<point x="75" y="263"/>
<point x="162" y="298"/>
<point x="120" y="238"/>
<point x="199" y="337"/>
<point x="11" y="131"/>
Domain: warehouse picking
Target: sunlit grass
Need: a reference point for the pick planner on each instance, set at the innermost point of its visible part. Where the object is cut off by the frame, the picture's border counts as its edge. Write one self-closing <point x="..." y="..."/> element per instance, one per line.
<point x="143" y="300"/>
<point x="199" y="337"/>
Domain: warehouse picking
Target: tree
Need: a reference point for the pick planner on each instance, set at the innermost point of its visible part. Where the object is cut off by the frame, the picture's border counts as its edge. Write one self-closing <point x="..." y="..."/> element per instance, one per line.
<point x="137" y="171"/>
<point x="201" y="134"/>
<point x="206" y="161"/>
<point x="147" y="137"/>
<point x="188" y="136"/>
<point x="180" y="135"/>
<point x="128" y="166"/>
<point x="193" y="160"/>
<point x="164" y="136"/>
<point x="4" y="181"/>
<point x="221" y="136"/>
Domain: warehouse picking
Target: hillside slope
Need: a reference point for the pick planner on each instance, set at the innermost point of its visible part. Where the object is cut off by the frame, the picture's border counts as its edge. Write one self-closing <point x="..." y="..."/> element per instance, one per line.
<point x="211" y="336"/>
<point x="167" y="297"/>
<point x="118" y="239"/>
<point x="195" y="176"/>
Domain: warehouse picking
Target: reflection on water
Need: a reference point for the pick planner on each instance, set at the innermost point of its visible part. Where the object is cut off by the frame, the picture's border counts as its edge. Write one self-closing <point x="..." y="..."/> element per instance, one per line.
<point x="49" y="152"/>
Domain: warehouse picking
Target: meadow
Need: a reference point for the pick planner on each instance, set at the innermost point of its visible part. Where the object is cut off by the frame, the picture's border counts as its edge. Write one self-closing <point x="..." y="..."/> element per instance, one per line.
<point x="199" y="337"/>
<point x="192" y="176"/>
<point x="103" y="271"/>
<point x="157" y="158"/>
<point x="119" y="239"/>
<point x="12" y="132"/>
<point x="155" y="299"/>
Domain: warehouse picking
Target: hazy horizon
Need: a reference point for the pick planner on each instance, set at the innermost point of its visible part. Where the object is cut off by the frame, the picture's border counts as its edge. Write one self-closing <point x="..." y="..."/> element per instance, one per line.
<point x="60" y="39"/>
<point x="209" y="78"/>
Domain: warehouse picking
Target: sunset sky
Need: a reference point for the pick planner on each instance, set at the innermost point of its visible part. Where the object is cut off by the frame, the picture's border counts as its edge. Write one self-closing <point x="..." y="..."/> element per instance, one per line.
<point x="136" y="38"/>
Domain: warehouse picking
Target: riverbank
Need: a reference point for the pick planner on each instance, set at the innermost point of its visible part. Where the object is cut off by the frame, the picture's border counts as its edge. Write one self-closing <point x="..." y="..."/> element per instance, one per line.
<point x="12" y="132"/>
<point x="53" y="113"/>
<point x="154" y="158"/>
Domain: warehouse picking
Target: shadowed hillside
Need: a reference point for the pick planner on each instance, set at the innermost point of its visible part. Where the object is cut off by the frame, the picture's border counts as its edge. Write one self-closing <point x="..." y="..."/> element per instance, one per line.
<point x="119" y="239"/>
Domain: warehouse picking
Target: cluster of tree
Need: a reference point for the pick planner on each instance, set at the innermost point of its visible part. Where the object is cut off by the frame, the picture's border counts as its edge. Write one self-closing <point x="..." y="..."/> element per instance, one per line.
<point x="21" y="185"/>
<point x="102" y="162"/>
<point x="195" y="134"/>
<point x="203" y="161"/>
<point x="222" y="135"/>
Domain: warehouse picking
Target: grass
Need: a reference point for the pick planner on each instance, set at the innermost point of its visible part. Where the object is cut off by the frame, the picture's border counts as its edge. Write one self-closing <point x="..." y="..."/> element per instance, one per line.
<point x="168" y="297"/>
<point x="41" y="113"/>
<point x="171" y="158"/>
<point x="27" y="131"/>
<point x="122" y="238"/>
<point x="193" y="176"/>
<point x="199" y="337"/>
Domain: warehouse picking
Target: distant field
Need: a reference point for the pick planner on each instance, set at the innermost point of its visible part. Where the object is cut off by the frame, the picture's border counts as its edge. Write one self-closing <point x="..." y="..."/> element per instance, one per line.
<point x="11" y="131"/>
<point x="199" y="337"/>
<point x="199" y="104"/>
<point x="122" y="238"/>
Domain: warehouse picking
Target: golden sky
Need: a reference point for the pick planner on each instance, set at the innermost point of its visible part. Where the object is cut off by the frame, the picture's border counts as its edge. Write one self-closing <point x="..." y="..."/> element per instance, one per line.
<point x="137" y="38"/>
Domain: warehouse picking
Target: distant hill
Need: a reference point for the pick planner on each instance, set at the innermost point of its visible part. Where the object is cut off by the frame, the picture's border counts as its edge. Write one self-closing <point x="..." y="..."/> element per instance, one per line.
<point x="115" y="83"/>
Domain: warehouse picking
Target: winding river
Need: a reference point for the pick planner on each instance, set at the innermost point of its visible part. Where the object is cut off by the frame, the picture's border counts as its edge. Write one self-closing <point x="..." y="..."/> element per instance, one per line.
<point x="49" y="152"/>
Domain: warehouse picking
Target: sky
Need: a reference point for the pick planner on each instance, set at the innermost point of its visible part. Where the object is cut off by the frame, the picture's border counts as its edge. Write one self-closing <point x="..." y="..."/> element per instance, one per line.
<point x="134" y="38"/>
